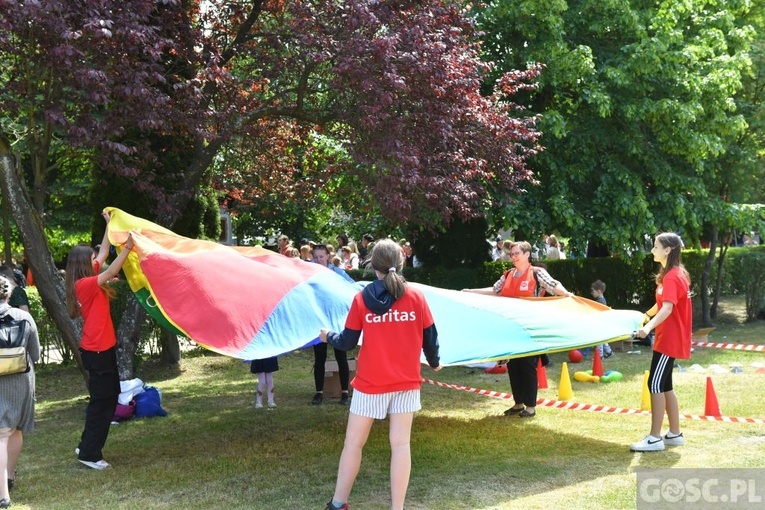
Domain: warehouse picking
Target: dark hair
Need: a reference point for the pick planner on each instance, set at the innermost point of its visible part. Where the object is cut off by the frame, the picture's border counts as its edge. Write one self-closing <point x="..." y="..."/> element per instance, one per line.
<point x="79" y="264"/>
<point x="388" y="259"/>
<point x="598" y="285"/>
<point x="368" y="237"/>
<point x="343" y="240"/>
<point x="675" y="244"/>
<point x="8" y="273"/>
<point x="6" y="287"/>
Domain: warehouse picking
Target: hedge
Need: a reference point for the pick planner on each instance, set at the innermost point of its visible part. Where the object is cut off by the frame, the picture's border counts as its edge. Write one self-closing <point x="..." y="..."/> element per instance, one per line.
<point x="629" y="282"/>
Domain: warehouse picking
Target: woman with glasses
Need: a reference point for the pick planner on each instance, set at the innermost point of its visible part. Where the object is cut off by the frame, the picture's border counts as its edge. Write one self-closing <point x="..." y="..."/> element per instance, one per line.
<point x="524" y="280"/>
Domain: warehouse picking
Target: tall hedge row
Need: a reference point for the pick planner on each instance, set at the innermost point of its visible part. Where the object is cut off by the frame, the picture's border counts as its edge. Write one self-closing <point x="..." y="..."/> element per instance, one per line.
<point x="629" y="283"/>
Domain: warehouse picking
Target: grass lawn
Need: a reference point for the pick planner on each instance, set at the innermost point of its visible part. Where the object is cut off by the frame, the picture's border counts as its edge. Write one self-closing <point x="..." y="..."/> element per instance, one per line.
<point x="214" y="450"/>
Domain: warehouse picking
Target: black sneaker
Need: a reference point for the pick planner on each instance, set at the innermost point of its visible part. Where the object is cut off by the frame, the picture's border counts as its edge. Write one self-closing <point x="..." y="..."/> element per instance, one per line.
<point x="330" y="506"/>
<point x="345" y="399"/>
<point x="317" y="399"/>
<point x="608" y="354"/>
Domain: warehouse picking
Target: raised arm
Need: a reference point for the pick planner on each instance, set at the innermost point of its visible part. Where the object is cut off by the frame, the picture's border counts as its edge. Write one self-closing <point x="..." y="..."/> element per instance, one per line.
<point x="103" y="251"/>
<point x="114" y="268"/>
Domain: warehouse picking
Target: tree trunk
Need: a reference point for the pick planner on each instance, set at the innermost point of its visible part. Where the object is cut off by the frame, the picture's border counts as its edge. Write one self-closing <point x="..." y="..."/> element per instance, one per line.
<point x="47" y="278"/>
<point x="171" y="349"/>
<point x="129" y="337"/>
<point x="720" y="275"/>
<point x="706" y="317"/>
<point x="7" y="253"/>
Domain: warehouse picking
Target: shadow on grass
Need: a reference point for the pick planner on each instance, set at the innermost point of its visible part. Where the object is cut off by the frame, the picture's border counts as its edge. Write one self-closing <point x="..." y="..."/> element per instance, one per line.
<point x="214" y="450"/>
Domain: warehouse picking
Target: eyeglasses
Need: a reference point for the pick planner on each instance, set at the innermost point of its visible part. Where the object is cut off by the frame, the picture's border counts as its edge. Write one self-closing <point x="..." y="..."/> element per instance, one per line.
<point x="515" y="253"/>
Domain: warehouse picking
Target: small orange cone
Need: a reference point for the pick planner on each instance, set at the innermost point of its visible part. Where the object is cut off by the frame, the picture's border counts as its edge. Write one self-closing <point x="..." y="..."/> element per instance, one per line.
<point x="645" y="397"/>
<point x="711" y="407"/>
<point x="597" y="363"/>
<point x="564" y="388"/>
<point x="541" y="375"/>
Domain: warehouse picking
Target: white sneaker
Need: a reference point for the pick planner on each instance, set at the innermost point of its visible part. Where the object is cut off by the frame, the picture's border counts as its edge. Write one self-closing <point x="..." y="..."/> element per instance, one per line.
<point x="648" y="444"/>
<point x="258" y="405"/>
<point x="272" y="405"/>
<point x="670" y="440"/>
<point x="99" y="465"/>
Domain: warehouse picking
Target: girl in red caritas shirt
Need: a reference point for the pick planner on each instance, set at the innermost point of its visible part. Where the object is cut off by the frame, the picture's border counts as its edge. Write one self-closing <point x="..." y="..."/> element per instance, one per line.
<point x="397" y="326"/>
<point x="672" y="317"/>
<point x="88" y="295"/>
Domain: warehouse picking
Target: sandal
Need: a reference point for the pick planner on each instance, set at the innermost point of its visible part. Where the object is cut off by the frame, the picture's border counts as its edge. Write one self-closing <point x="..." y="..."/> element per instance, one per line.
<point x="526" y="414"/>
<point x="514" y="410"/>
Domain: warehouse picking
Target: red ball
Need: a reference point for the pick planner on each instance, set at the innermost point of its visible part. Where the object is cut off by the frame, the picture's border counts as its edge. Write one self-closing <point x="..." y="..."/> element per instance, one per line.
<point x="575" y="356"/>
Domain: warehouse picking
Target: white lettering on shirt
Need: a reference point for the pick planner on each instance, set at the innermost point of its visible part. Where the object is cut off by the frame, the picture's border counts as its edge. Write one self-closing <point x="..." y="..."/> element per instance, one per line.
<point x="390" y="316"/>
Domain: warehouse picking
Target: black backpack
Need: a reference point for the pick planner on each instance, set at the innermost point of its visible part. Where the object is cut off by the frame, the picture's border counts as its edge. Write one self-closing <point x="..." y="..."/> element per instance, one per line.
<point x="13" y="346"/>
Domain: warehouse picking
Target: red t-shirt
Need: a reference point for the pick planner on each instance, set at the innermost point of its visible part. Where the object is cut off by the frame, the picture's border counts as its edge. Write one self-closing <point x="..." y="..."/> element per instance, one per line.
<point x="97" y="329"/>
<point x="673" y="336"/>
<point x="389" y="358"/>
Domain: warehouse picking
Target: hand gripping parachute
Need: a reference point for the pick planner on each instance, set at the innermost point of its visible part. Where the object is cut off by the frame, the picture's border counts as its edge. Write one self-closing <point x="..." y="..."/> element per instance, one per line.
<point x="252" y="303"/>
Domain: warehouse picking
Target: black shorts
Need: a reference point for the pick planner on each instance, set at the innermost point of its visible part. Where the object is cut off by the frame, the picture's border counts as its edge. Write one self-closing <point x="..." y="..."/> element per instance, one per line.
<point x="660" y="375"/>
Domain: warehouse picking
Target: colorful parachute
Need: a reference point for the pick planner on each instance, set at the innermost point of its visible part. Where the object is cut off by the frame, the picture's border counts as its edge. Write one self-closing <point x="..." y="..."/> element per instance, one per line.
<point x="248" y="302"/>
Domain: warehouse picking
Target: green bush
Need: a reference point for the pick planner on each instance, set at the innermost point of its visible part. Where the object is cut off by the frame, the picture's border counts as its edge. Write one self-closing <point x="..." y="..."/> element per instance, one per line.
<point x="748" y="272"/>
<point x="52" y="344"/>
<point x="629" y="282"/>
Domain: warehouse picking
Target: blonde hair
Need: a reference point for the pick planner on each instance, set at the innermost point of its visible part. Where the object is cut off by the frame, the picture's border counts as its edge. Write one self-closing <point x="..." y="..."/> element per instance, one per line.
<point x="387" y="259"/>
<point x="524" y="246"/>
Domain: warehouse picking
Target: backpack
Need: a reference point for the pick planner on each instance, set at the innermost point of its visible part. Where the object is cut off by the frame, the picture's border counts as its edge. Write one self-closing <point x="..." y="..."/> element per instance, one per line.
<point x="13" y="346"/>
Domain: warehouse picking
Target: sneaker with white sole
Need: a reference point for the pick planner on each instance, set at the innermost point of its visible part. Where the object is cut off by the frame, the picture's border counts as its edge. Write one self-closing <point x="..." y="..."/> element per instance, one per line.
<point x="99" y="465"/>
<point x="670" y="440"/>
<point x="648" y="444"/>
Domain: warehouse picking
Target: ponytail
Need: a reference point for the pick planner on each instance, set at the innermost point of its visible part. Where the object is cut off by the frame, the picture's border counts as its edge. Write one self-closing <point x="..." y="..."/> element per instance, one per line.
<point x="388" y="259"/>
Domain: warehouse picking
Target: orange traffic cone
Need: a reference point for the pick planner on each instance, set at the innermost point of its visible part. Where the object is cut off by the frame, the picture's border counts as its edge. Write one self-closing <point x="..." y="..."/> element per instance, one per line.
<point x="564" y="388"/>
<point x="645" y="397"/>
<point x="597" y="363"/>
<point x="541" y="375"/>
<point x="711" y="407"/>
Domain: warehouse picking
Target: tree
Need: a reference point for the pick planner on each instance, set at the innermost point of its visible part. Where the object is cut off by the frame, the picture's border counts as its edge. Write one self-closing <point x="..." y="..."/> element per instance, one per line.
<point x="394" y="84"/>
<point x="69" y="92"/>
<point x="637" y="104"/>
